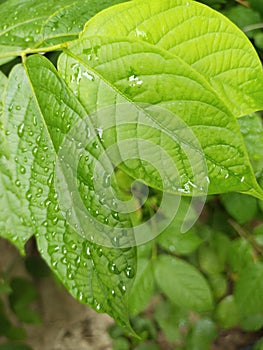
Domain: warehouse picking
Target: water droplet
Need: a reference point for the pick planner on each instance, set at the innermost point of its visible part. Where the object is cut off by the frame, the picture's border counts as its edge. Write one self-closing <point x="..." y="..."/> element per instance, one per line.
<point x="34" y="151"/>
<point x="113" y="293"/>
<point x="135" y="81"/>
<point x="122" y="287"/>
<point x="70" y="275"/>
<point x="49" y="182"/>
<point x="22" y="169"/>
<point x="87" y="252"/>
<point x="115" y="215"/>
<point x="54" y="263"/>
<point x="99" y="252"/>
<point x="242" y="179"/>
<point x="95" y="145"/>
<point x="80" y="296"/>
<point x="28" y="195"/>
<point x="89" y="76"/>
<point x="10" y="108"/>
<point x="116" y="242"/>
<point x="129" y="272"/>
<point x="74" y="246"/>
<point x="142" y="34"/>
<point x="106" y="180"/>
<point x="18" y="108"/>
<point x="47" y="203"/>
<point x="28" y="38"/>
<point x="17" y="183"/>
<point x="113" y="268"/>
<point x="55" y="221"/>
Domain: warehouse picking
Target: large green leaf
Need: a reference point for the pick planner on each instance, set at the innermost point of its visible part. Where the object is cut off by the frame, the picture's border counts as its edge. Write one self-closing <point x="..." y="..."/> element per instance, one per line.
<point x="202" y="37"/>
<point x="183" y="283"/>
<point x="32" y="24"/>
<point x="39" y="111"/>
<point x="182" y="114"/>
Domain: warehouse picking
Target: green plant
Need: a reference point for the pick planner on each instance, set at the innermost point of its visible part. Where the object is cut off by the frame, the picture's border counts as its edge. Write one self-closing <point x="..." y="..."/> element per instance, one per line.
<point x="150" y="91"/>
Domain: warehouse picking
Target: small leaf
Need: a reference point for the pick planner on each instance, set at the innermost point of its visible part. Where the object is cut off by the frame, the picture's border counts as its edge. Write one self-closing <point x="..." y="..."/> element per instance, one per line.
<point x="240" y="255"/>
<point x="200" y="36"/>
<point x="179" y="243"/>
<point x="226" y="313"/>
<point x="142" y="288"/>
<point x="183" y="284"/>
<point x="202" y="334"/>
<point x="172" y="320"/>
<point x="23" y="294"/>
<point x="248" y="293"/>
<point x="218" y="284"/>
<point x="241" y="207"/>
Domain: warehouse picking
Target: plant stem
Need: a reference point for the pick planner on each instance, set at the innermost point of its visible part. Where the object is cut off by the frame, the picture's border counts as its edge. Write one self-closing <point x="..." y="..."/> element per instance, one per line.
<point x="25" y="52"/>
<point x="244" y="234"/>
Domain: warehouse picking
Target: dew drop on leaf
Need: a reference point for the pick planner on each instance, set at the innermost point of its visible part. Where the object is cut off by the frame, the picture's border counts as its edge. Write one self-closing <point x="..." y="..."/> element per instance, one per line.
<point x="28" y="195"/>
<point x="34" y="151"/>
<point x="99" y="252"/>
<point x="22" y="169"/>
<point x="17" y="183"/>
<point x="106" y="180"/>
<point x="129" y="272"/>
<point x="122" y="287"/>
<point x="113" y="268"/>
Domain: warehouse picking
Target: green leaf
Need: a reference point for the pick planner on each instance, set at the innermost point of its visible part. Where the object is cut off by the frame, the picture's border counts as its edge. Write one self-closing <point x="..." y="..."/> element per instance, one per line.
<point x="23" y="294"/>
<point x="240" y="255"/>
<point x="173" y="240"/>
<point x="200" y="36"/>
<point x="201" y="336"/>
<point x="142" y="288"/>
<point x="172" y="320"/>
<point x="219" y="284"/>
<point x="138" y="74"/>
<point x="243" y="17"/>
<point x="34" y="129"/>
<point x="212" y="255"/>
<point x="226" y="313"/>
<point x="257" y="5"/>
<point x="248" y="293"/>
<point x="241" y="207"/>
<point x="252" y="130"/>
<point x="183" y="284"/>
<point x="33" y="24"/>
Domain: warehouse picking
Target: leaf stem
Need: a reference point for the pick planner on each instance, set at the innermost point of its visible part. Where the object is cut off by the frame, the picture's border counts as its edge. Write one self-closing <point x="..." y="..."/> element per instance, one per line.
<point x="28" y="51"/>
<point x="244" y="234"/>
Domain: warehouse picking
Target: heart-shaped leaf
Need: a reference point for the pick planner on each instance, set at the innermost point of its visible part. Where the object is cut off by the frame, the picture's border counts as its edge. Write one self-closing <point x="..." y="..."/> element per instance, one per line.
<point x="34" y="129"/>
<point x="202" y="37"/>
